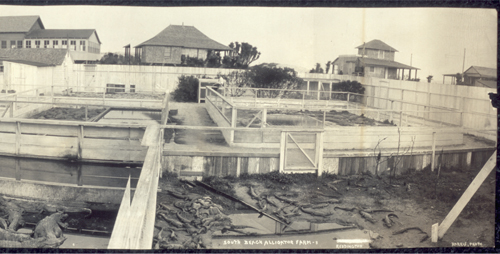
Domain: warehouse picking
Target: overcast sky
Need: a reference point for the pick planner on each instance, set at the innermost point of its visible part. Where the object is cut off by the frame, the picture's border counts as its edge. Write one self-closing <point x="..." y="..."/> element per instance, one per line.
<point x="434" y="38"/>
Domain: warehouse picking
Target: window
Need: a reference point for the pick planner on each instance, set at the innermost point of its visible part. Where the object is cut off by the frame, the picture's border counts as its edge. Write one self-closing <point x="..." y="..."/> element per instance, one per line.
<point x="372" y="68"/>
<point x="19" y="44"/>
<point x="46" y="43"/>
<point x="132" y="88"/>
<point x="1" y="68"/>
<point x="64" y="44"/>
<point x="167" y="53"/>
<point x="82" y="45"/>
<point x="115" y="88"/>
<point x="28" y="44"/>
<point x="12" y="44"/>
<point x="37" y="44"/>
<point x="4" y="44"/>
<point x="55" y="44"/>
<point x="73" y="45"/>
<point x="381" y="54"/>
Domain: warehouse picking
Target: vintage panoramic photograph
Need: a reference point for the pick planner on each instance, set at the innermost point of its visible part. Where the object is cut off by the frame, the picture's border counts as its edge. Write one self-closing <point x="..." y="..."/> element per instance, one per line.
<point x="127" y="127"/>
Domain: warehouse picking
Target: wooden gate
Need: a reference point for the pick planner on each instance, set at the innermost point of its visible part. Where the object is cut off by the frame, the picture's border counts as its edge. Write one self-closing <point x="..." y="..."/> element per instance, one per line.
<point x="301" y="152"/>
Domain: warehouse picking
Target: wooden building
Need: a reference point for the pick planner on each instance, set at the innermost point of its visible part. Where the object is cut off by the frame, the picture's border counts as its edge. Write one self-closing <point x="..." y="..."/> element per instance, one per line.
<point x="25" y="69"/>
<point x="475" y="76"/>
<point x="375" y="59"/>
<point x="168" y="47"/>
<point x="17" y="32"/>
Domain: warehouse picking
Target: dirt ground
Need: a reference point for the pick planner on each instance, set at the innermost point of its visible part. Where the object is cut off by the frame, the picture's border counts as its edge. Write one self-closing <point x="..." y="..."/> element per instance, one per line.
<point x="412" y="201"/>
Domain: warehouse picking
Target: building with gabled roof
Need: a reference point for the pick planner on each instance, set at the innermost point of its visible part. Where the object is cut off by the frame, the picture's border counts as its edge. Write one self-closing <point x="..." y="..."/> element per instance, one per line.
<point x="475" y="76"/>
<point x="24" y="69"/>
<point x="18" y="32"/>
<point x="168" y="46"/>
<point x="375" y="59"/>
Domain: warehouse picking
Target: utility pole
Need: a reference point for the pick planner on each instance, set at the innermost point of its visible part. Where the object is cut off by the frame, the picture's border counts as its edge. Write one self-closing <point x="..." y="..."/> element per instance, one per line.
<point x="463" y="64"/>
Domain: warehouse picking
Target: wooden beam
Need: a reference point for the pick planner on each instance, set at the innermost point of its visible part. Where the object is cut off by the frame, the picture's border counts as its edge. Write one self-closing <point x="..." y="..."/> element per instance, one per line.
<point x="467" y="195"/>
<point x="119" y="236"/>
<point x="302" y="150"/>
<point x="151" y="135"/>
<point x="282" y="151"/>
<point x="433" y="159"/>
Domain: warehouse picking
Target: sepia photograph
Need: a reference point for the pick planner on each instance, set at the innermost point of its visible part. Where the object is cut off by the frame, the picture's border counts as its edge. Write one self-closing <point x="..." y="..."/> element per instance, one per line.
<point x="247" y="128"/>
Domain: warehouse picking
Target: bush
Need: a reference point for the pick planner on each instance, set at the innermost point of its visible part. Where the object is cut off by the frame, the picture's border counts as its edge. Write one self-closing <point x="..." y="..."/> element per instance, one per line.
<point x="348" y="86"/>
<point x="187" y="89"/>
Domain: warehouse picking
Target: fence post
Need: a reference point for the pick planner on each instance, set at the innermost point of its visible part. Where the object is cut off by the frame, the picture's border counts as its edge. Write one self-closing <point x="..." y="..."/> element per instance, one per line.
<point x="11" y="110"/>
<point x="282" y="151"/>
<point x="461" y="119"/>
<point x="264" y="118"/>
<point x="433" y="151"/>
<point x="303" y="100"/>
<point x="18" y="137"/>
<point x="104" y="96"/>
<point x="234" y="115"/>
<point x="324" y="118"/>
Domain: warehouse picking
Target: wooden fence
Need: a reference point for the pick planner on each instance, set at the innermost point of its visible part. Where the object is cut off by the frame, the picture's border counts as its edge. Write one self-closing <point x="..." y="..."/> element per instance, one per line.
<point x="71" y="140"/>
<point x="134" y="224"/>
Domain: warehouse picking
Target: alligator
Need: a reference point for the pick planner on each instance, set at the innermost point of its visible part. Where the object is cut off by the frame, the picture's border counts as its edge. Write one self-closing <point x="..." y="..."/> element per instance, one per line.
<point x="367" y="216"/>
<point x="176" y="223"/>
<point x="316" y="213"/>
<point x="50" y="226"/>
<point x="388" y="221"/>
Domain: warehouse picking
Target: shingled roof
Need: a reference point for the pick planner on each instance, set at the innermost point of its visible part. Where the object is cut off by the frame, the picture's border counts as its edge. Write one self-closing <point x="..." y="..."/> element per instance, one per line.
<point x="20" y="24"/>
<point x="483" y="72"/>
<point x="36" y="57"/>
<point x="385" y="63"/>
<point x="62" y="33"/>
<point x="183" y="36"/>
<point x="377" y="44"/>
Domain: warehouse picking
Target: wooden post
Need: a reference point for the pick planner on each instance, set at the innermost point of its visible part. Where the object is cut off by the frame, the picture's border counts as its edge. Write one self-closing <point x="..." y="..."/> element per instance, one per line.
<point x="80" y="142"/>
<point x="433" y="151"/>
<point x="391" y="117"/>
<point x="18" y="169"/>
<point x="234" y="115"/>
<point x="324" y="118"/>
<point x="282" y="150"/>
<point x="303" y="100"/>
<point x="264" y="118"/>
<point x="238" y="166"/>
<point x="434" y="232"/>
<point x="86" y="113"/>
<point x="319" y="139"/>
<point x="18" y="137"/>
<point x="79" y="175"/>
<point x="11" y="110"/>
<point x="104" y="96"/>
<point x="469" y="192"/>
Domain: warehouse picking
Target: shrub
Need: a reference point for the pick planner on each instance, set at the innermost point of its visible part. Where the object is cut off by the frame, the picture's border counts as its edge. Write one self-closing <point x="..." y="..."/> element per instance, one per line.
<point x="348" y="86"/>
<point x="187" y="89"/>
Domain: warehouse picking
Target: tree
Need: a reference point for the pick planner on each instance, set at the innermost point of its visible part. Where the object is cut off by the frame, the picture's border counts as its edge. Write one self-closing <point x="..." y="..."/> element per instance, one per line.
<point x="243" y="55"/>
<point x="318" y="69"/>
<point x="111" y="58"/>
<point x="187" y="89"/>
<point x="348" y="86"/>
<point x="235" y="81"/>
<point x="264" y="76"/>
<point x="328" y="66"/>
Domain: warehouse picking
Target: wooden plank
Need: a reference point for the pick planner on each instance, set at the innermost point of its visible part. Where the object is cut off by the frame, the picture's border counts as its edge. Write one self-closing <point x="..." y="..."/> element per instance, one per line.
<point x="113" y="132"/>
<point x="8" y="148"/>
<point x="264" y="165"/>
<point x="253" y="165"/>
<point x="66" y="152"/>
<point x="9" y="172"/>
<point x="331" y="165"/>
<point x="244" y="165"/>
<point x="49" y="177"/>
<point x="208" y="165"/>
<point x="119" y="236"/>
<point x="101" y="143"/>
<point x="197" y="164"/>
<point x="7" y="138"/>
<point x="52" y="141"/>
<point x="151" y="136"/>
<point x="113" y="154"/>
<point x="238" y="166"/>
<point x="274" y="164"/>
<point x="107" y="181"/>
<point x="53" y="166"/>
<point x="49" y="129"/>
<point x="467" y="195"/>
<point x="110" y="171"/>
